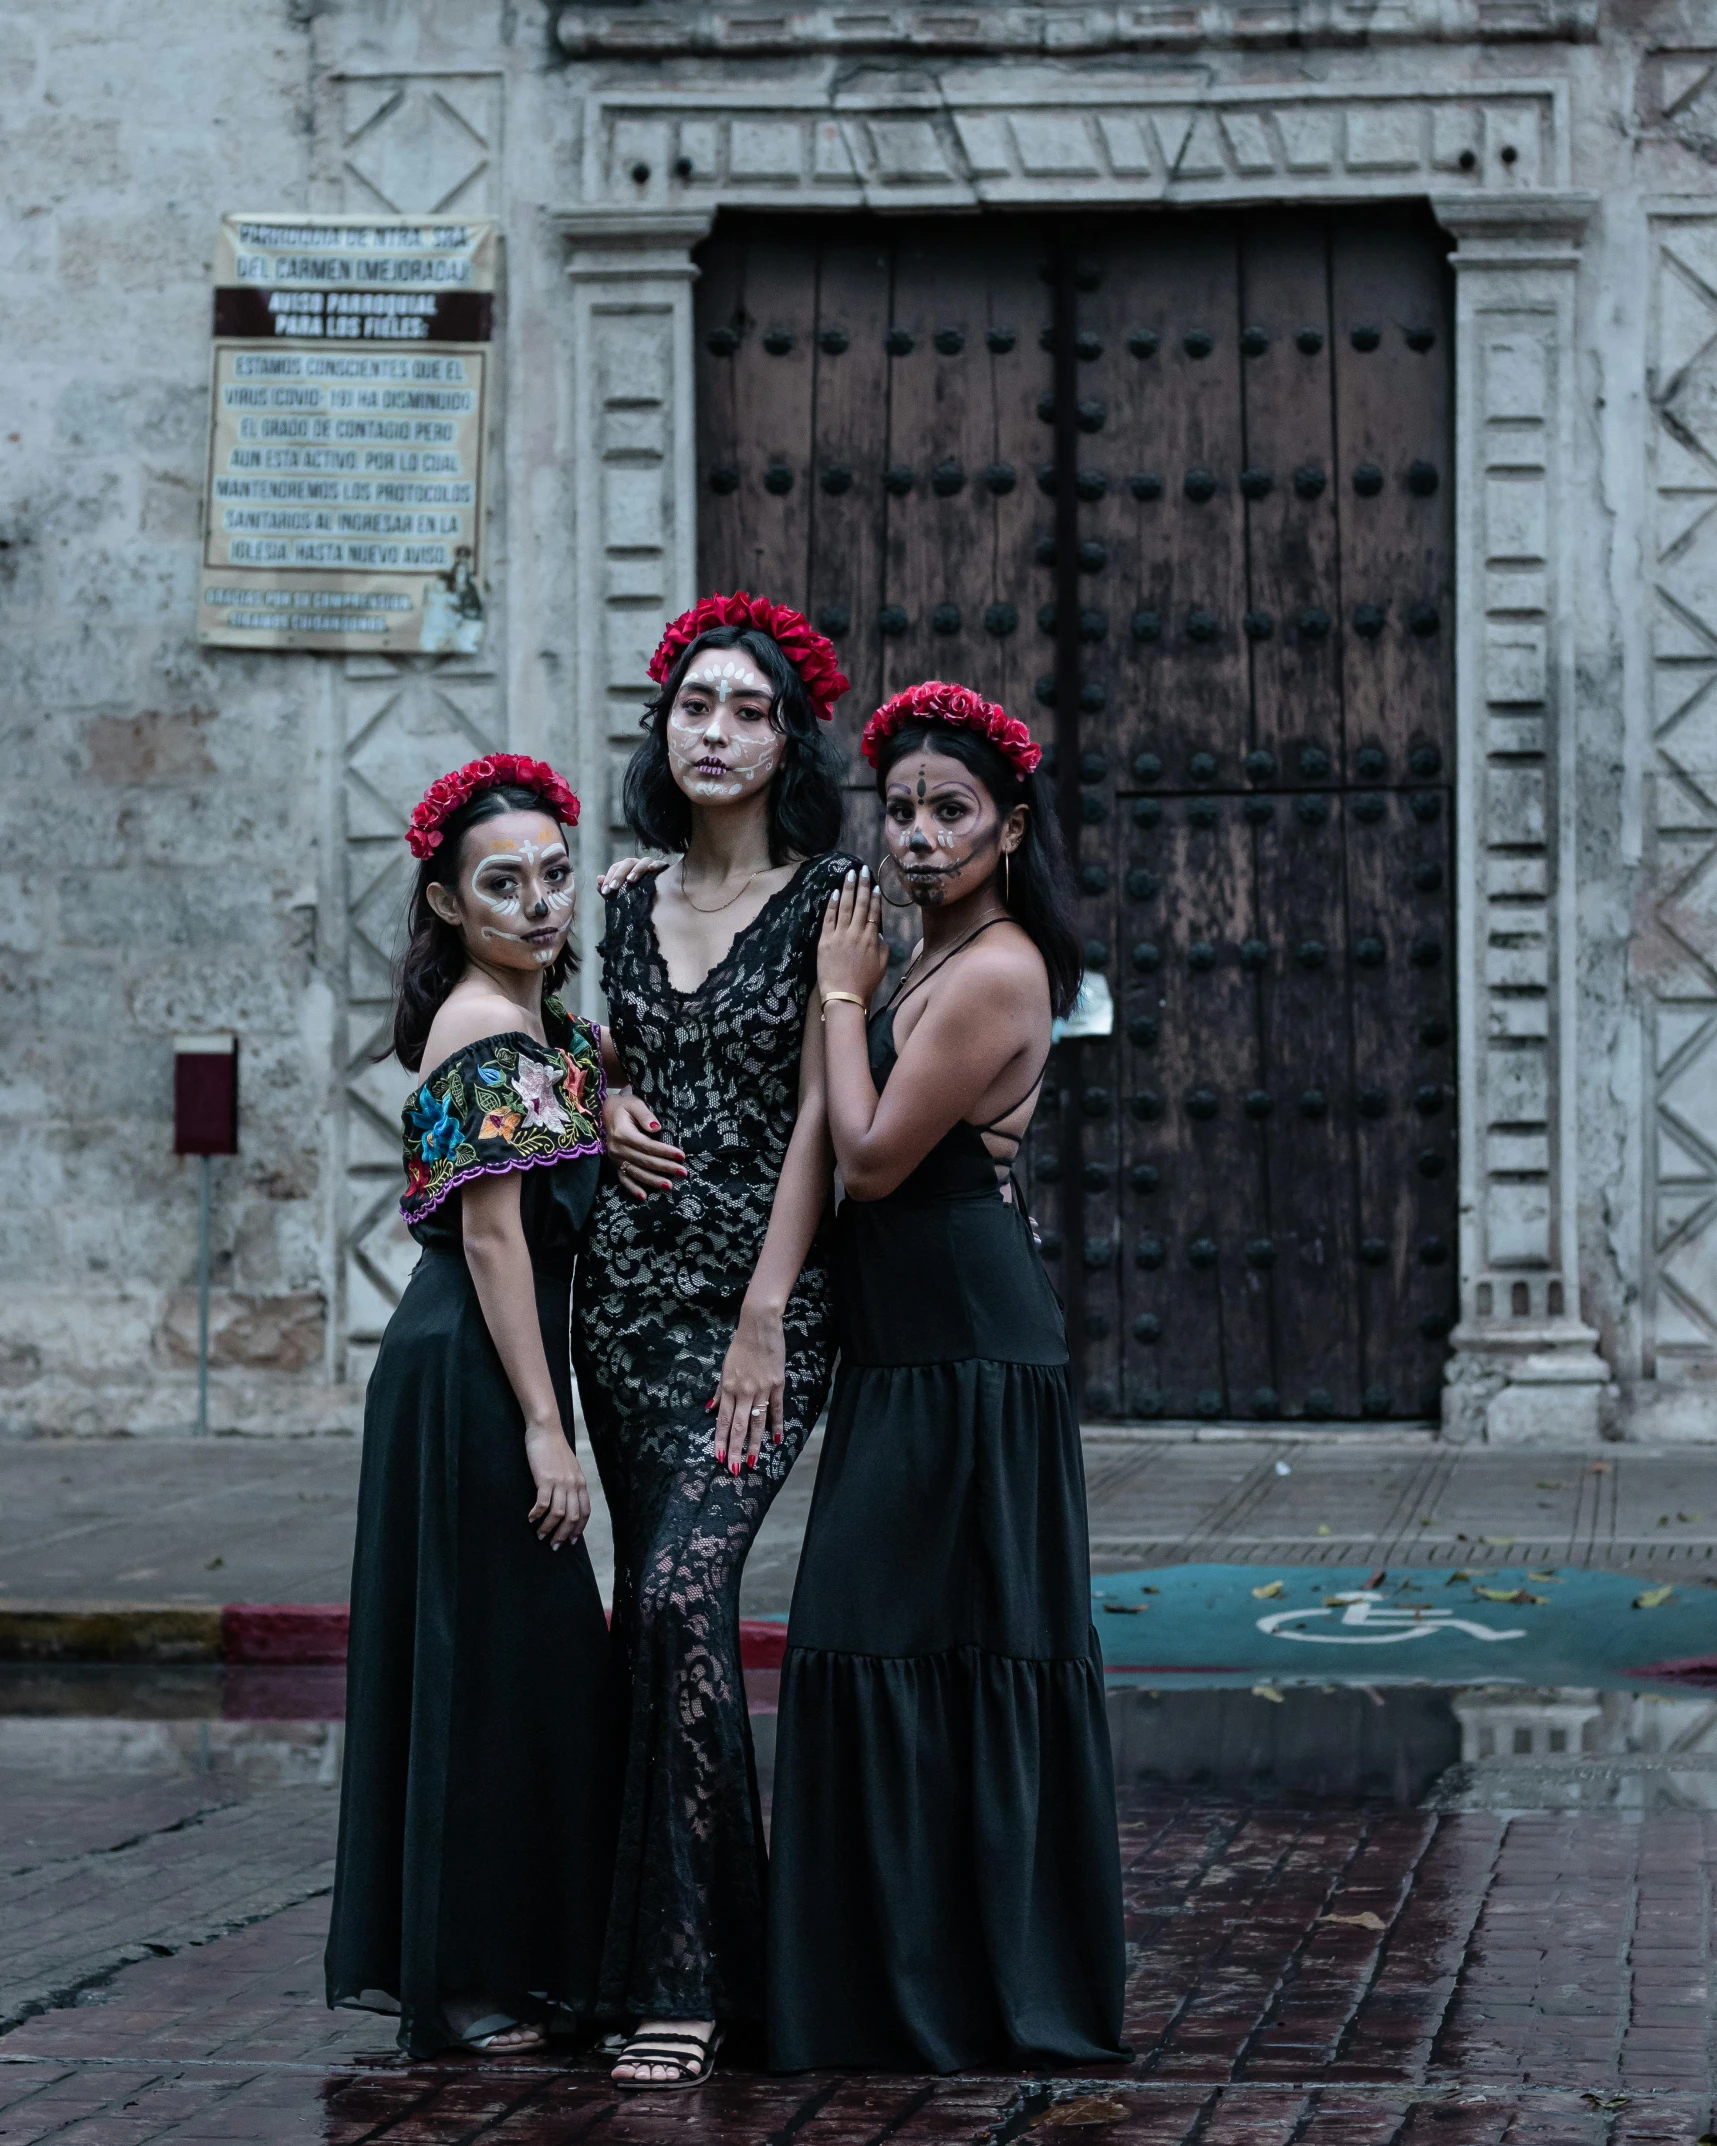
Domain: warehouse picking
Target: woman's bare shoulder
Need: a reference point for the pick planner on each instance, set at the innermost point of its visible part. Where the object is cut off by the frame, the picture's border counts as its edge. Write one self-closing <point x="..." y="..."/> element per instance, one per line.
<point x="1004" y="963"/>
<point x="468" y="1016"/>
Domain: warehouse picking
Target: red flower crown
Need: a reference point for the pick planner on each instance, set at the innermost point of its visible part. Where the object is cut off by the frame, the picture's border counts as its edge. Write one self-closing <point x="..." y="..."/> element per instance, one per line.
<point x="811" y="654"/>
<point x="961" y="709"/>
<point x="445" y="796"/>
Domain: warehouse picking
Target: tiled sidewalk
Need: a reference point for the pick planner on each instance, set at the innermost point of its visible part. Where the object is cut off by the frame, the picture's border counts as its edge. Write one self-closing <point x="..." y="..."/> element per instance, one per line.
<point x="182" y="1520"/>
<point x="1339" y="1975"/>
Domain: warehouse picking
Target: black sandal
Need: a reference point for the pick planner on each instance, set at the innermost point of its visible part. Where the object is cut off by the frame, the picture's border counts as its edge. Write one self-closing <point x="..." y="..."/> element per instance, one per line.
<point x="666" y="2050"/>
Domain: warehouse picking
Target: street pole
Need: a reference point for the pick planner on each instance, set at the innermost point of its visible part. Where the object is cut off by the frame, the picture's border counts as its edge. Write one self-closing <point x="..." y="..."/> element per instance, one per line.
<point x="206" y="1164"/>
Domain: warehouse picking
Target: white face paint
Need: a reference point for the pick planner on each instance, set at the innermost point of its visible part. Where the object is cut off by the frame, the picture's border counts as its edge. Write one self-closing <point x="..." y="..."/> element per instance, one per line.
<point x="518" y="871"/>
<point x="721" y="736"/>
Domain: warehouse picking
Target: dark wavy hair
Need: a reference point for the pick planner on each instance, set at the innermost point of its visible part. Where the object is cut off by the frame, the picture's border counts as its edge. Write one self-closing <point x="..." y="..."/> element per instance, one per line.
<point x="805" y="794"/>
<point x="435" y="957"/>
<point x="1038" y="890"/>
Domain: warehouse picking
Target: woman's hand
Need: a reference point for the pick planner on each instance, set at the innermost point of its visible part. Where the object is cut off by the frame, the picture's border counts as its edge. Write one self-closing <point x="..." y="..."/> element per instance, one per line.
<point x="562" y="1510"/>
<point x="627" y="871"/>
<point x="851" y="955"/>
<point x="753" y="1386"/>
<point x="644" y="1165"/>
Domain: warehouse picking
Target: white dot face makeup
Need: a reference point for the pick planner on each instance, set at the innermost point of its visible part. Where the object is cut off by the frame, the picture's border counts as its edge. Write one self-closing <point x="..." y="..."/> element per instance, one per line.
<point x="942" y="827"/>
<point x="721" y="736"/>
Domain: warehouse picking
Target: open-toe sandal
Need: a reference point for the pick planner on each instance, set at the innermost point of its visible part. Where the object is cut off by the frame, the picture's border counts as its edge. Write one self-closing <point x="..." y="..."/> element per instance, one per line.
<point x="690" y="2056"/>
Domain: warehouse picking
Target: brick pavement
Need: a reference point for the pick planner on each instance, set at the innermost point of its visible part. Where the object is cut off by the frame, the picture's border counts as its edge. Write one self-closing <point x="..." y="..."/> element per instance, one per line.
<point x="1347" y="1976"/>
<point x="71" y="1920"/>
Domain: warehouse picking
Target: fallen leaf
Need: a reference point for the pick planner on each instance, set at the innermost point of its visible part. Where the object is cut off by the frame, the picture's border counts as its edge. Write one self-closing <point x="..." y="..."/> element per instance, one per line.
<point x="1365" y="1920"/>
<point x="1123" y="1609"/>
<point x="1377" y="1578"/>
<point x="1267" y="1691"/>
<point x="1270" y="1587"/>
<point x="1150" y="1590"/>
<point x="1653" y="1598"/>
<point x="1083" y="2109"/>
<point x="214" y="1564"/>
<point x="1663" y="1520"/>
<point x="1427" y="1522"/>
<point x="1553" y="1482"/>
<point x="1323" y="1527"/>
<point x="1601" y="1467"/>
<point x="1606" y="2101"/>
<point x="1510" y="1594"/>
<point x="1687" y="1516"/>
<point x="1542" y="1576"/>
<point x="1455" y="1578"/>
<point x="1500" y="1542"/>
<point x="1706" y="2138"/>
<point x="1460" y="1538"/>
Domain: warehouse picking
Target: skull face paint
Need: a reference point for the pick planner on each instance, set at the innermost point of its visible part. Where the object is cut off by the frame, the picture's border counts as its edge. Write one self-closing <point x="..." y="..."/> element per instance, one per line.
<point x="722" y="741"/>
<point x="942" y="827"/>
<point x="516" y="893"/>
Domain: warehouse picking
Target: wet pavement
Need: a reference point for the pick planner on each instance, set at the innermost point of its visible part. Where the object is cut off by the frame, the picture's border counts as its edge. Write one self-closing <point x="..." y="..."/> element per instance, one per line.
<point x="1361" y="1906"/>
<point x="1417" y="1759"/>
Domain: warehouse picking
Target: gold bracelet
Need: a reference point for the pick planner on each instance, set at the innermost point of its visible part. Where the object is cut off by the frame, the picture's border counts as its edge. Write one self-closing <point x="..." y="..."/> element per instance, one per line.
<point x="851" y="998"/>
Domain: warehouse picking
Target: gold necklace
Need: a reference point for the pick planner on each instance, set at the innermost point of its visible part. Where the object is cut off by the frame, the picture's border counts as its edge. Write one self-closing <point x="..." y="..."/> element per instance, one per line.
<point x="698" y="909"/>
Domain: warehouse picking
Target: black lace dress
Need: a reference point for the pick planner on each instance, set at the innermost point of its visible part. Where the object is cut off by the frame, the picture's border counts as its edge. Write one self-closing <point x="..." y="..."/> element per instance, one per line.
<point x="476" y="1811"/>
<point x="658" y="1297"/>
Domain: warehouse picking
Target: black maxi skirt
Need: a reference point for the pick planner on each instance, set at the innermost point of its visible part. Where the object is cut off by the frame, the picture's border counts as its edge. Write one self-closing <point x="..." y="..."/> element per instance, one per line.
<point x="477" y="1805"/>
<point x="945" y="1873"/>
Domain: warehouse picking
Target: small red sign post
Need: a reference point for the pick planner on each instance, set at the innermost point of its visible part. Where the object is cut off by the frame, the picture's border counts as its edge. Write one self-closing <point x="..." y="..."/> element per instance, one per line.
<point x="205" y="1123"/>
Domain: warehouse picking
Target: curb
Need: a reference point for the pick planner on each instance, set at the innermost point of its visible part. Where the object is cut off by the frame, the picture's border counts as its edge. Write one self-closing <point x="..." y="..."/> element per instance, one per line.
<point x="240" y="1634"/>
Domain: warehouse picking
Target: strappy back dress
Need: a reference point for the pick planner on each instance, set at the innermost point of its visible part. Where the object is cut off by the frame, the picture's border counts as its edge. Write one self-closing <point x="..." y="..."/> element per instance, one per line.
<point x="945" y="1876"/>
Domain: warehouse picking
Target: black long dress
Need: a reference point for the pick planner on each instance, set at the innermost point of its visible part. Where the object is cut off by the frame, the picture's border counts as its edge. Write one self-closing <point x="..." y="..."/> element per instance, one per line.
<point x="945" y="1877"/>
<point x="658" y="1298"/>
<point x="476" y="1810"/>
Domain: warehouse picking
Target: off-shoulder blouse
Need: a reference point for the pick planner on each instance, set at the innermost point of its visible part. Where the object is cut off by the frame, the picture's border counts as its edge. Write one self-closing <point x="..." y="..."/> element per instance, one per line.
<point x="506" y="1102"/>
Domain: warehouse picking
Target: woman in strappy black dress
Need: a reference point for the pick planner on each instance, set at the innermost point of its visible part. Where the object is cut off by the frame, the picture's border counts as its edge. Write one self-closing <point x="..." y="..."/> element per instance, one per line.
<point x="702" y="1328"/>
<point x="945" y="1877"/>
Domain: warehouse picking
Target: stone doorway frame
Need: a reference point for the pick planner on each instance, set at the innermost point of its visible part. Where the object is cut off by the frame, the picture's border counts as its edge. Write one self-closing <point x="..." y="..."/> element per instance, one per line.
<point x="1493" y="161"/>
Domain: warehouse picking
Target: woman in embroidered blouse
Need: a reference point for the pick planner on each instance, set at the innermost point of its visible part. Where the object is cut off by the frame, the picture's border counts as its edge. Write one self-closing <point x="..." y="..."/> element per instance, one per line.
<point x="702" y="1327"/>
<point x="476" y="1817"/>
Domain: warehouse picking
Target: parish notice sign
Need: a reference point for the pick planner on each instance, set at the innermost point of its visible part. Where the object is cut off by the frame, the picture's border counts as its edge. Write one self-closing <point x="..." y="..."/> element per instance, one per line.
<point x="345" y="490"/>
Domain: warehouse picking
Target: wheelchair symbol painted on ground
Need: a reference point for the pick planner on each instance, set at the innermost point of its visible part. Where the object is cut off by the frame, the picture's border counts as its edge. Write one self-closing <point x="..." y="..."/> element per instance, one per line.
<point x="1366" y="1621"/>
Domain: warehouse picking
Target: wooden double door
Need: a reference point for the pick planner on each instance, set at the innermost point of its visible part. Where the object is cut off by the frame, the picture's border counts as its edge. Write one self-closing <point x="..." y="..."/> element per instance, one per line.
<point x="1175" y="489"/>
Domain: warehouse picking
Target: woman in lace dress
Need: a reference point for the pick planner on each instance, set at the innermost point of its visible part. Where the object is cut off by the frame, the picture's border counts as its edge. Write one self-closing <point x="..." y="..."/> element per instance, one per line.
<point x="702" y="1332"/>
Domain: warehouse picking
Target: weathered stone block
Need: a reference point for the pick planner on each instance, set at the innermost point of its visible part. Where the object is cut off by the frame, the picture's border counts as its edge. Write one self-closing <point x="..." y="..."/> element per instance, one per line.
<point x="258" y="1333"/>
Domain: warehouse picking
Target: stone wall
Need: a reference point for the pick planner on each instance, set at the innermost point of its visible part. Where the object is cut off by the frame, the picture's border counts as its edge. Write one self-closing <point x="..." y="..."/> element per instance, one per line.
<point x="206" y="840"/>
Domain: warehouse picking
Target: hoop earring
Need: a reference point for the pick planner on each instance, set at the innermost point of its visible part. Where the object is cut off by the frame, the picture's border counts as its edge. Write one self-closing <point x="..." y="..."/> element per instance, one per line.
<point x="888" y="859"/>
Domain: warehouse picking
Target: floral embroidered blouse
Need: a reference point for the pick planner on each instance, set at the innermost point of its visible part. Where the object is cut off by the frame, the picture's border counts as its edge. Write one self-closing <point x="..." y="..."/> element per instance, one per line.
<point x="505" y="1103"/>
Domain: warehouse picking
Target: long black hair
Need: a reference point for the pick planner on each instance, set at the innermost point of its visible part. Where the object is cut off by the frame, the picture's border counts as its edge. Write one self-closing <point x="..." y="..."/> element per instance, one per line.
<point x="805" y="795"/>
<point x="1037" y="890"/>
<point x="435" y="957"/>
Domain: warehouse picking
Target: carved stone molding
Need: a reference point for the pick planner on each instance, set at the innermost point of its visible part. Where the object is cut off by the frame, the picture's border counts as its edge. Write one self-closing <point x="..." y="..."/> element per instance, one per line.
<point x="1675" y="955"/>
<point x="1054" y="32"/>
<point x="419" y="143"/>
<point x="747" y="147"/>
<point x="1525" y="1365"/>
<point x="634" y="491"/>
